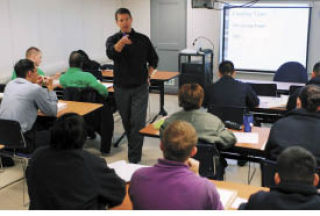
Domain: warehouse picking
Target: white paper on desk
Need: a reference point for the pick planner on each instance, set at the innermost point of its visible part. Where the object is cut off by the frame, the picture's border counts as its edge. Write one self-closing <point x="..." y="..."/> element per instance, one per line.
<point x="272" y="102"/>
<point x="125" y="170"/>
<point x="61" y="105"/>
<point x="227" y="197"/>
<point x="237" y="202"/>
<point x="243" y="137"/>
<point x="107" y="85"/>
<point x="56" y="82"/>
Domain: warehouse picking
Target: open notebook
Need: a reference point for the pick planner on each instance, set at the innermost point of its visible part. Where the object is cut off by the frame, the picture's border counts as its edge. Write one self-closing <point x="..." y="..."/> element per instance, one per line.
<point x="125" y="170"/>
<point x="243" y="137"/>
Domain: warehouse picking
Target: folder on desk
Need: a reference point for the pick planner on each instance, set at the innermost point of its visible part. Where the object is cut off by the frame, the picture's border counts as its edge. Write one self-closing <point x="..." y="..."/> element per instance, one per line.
<point x="125" y="170"/>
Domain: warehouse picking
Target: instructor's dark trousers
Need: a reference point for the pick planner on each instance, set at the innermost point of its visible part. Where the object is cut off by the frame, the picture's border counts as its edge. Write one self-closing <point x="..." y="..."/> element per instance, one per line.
<point x="132" y="104"/>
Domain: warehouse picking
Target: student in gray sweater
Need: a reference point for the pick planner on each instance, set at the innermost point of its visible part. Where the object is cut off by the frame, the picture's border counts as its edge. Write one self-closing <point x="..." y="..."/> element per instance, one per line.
<point x="210" y="129"/>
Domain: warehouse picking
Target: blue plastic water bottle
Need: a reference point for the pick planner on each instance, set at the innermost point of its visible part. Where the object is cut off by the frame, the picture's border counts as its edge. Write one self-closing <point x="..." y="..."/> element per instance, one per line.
<point x="247" y="122"/>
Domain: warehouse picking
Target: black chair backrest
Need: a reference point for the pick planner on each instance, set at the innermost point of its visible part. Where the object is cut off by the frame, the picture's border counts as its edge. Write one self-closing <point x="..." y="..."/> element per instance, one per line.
<point x="96" y="73"/>
<point x="293" y="88"/>
<point x="291" y="72"/>
<point x="265" y="89"/>
<point x="2" y="87"/>
<point x="82" y="94"/>
<point x="11" y="135"/>
<point x="268" y="169"/>
<point x="233" y="114"/>
<point x="205" y="154"/>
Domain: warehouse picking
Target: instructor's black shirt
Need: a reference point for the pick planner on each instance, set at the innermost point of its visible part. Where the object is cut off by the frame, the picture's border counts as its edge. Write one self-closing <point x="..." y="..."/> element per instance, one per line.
<point x="130" y="65"/>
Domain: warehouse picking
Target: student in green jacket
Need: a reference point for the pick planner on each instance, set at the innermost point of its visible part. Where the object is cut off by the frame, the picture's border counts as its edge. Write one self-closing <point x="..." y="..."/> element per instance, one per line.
<point x="75" y="77"/>
<point x="103" y="122"/>
<point x="34" y="54"/>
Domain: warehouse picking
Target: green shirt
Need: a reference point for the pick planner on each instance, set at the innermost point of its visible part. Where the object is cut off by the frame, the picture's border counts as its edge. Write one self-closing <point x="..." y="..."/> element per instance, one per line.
<point x="75" y="77"/>
<point x="14" y="75"/>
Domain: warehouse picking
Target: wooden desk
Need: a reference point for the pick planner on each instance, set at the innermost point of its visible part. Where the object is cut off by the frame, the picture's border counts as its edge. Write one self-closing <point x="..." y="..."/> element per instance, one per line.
<point x="158" y="76"/>
<point x="244" y="191"/>
<point x="81" y="108"/>
<point x="150" y="131"/>
<point x="157" y="79"/>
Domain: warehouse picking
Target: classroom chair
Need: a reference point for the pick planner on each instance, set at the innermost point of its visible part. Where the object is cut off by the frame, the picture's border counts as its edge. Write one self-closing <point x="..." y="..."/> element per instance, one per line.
<point x="205" y="156"/>
<point x="291" y="72"/>
<point x="293" y="88"/>
<point x="264" y="89"/>
<point x="99" y="121"/>
<point x="233" y="114"/>
<point x="268" y="169"/>
<point x="2" y="87"/>
<point x="11" y="136"/>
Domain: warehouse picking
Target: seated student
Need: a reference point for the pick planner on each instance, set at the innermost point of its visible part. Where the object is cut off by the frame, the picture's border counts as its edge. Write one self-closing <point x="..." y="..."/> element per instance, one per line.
<point x="228" y="92"/>
<point x="90" y="66"/>
<point x="315" y="80"/>
<point x="22" y="99"/>
<point x="209" y="128"/>
<point x="171" y="184"/>
<point x="35" y="55"/>
<point x="75" y="77"/>
<point x="299" y="127"/>
<point x="64" y="176"/>
<point x="296" y="182"/>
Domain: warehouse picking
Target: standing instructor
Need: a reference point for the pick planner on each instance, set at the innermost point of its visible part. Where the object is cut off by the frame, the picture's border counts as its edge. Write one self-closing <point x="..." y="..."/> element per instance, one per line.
<point x="134" y="61"/>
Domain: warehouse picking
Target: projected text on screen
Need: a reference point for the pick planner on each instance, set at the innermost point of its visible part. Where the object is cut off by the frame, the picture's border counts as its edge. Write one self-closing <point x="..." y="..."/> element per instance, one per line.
<point x="261" y="39"/>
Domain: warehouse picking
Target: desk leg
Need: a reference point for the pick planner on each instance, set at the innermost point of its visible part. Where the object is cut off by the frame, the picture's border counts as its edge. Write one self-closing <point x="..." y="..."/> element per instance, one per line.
<point x="162" y="111"/>
<point x="116" y="143"/>
<point x="250" y="176"/>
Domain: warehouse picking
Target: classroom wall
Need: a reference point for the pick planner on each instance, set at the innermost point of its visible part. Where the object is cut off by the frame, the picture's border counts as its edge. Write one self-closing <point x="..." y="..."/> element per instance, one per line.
<point x="57" y="28"/>
<point x="140" y="10"/>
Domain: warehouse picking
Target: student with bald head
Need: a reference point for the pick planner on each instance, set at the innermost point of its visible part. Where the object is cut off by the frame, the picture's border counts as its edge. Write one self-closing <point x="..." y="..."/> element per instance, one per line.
<point x="296" y="180"/>
<point x="35" y="55"/>
<point x="173" y="183"/>
<point x="229" y="92"/>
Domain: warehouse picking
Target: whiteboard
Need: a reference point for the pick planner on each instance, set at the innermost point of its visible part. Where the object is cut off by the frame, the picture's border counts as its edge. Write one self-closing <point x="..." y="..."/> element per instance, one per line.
<point x="263" y="38"/>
